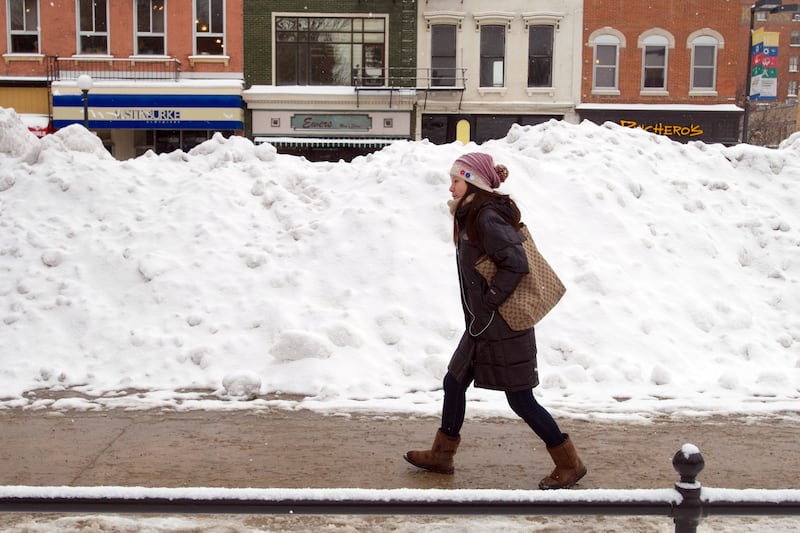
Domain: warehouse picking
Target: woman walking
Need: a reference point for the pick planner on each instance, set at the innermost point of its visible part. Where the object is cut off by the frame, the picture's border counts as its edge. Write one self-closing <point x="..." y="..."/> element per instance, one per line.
<point x="490" y="353"/>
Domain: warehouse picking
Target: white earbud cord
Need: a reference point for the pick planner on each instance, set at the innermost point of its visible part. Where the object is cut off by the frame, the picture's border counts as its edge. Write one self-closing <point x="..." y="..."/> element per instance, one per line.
<point x="464" y="299"/>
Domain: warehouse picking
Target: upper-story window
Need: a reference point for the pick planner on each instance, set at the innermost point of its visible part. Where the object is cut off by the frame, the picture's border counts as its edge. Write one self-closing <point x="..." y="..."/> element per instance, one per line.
<point x="654" y="63"/>
<point x="92" y="27"/>
<point x="704" y="63"/>
<point x="540" y="55"/>
<point x="329" y="50"/>
<point x="606" y="63"/>
<point x="443" y="55"/>
<point x="23" y="26"/>
<point x="492" y="55"/>
<point x="209" y="27"/>
<point x="150" y="27"/>
<point x="795" y="38"/>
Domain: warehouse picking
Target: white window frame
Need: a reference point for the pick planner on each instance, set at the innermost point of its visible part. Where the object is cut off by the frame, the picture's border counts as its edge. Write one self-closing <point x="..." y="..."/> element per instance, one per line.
<point x="704" y="37"/>
<point x="446" y="18"/>
<point x="79" y="33"/>
<point x="209" y="58"/>
<point x="457" y="78"/>
<point x="606" y="40"/>
<point x="544" y="18"/>
<point x="791" y="89"/>
<point x="137" y="33"/>
<point x="357" y="48"/>
<point x="26" y="31"/>
<point x="656" y="38"/>
<point x="533" y="88"/>
<point x="503" y="20"/>
<point x="794" y="64"/>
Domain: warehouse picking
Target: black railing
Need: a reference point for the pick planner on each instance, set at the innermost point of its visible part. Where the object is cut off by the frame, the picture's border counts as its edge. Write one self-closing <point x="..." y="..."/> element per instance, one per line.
<point x="409" y="78"/>
<point x="687" y="503"/>
<point x="111" y="68"/>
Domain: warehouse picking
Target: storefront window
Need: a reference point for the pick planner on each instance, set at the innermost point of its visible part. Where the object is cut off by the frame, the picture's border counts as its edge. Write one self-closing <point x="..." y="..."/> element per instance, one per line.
<point x="210" y="27"/>
<point x="540" y="56"/>
<point x="150" y="27"/>
<point x="330" y="50"/>
<point x="24" y="26"/>
<point x="165" y="141"/>
<point x="93" y="24"/>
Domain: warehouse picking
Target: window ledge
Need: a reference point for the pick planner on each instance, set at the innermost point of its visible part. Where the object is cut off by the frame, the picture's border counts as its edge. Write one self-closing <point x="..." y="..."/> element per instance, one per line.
<point x="547" y="91"/>
<point x="23" y="57"/>
<point x="703" y="92"/>
<point x="605" y="92"/>
<point x="483" y="91"/>
<point x="209" y="59"/>
<point x="150" y="57"/>
<point x="651" y="92"/>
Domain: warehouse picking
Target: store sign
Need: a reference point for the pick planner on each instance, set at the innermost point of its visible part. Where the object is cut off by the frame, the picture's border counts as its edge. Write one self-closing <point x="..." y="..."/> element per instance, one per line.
<point x="330" y="122"/>
<point x="150" y="111"/>
<point x="660" y="128"/>
<point x="150" y="115"/>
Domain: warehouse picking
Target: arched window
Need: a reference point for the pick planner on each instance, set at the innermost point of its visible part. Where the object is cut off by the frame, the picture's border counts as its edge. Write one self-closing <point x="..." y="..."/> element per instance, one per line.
<point x="704" y="64"/>
<point x="606" y="63"/>
<point x="655" y="56"/>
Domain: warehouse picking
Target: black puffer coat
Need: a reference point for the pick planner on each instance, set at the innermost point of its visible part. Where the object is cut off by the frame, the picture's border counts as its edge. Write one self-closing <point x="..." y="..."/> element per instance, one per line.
<point x="498" y="357"/>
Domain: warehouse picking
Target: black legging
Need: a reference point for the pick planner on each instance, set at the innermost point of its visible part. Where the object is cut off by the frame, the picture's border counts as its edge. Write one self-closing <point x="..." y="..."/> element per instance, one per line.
<point x="521" y="402"/>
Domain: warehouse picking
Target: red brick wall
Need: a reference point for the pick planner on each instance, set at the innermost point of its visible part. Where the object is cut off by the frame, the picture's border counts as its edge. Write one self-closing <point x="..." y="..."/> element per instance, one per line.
<point x="58" y="35"/>
<point x="730" y="18"/>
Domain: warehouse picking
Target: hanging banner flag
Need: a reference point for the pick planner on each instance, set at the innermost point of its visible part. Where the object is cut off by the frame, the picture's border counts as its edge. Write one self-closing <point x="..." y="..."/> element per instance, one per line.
<point x="756" y="63"/>
<point x="769" y="74"/>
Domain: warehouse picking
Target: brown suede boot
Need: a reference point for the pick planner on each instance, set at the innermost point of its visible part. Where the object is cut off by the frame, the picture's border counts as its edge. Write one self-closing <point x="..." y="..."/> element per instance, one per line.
<point x="569" y="467"/>
<point x="439" y="458"/>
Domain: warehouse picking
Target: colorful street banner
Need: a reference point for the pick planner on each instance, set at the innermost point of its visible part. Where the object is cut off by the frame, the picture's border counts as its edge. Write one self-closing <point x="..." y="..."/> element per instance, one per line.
<point x="769" y="75"/>
<point x="756" y="62"/>
<point x="764" y="65"/>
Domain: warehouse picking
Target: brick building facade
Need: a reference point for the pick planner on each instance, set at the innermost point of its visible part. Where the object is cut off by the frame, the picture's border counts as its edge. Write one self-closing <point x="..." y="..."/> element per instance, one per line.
<point x="673" y="68"/>
<point x="383" y="70"/>
<point x="165" y="74"/>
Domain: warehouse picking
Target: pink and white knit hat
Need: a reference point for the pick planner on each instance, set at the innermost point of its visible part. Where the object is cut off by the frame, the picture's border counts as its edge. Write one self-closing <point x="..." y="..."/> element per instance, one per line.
<point x="479" y="169"/>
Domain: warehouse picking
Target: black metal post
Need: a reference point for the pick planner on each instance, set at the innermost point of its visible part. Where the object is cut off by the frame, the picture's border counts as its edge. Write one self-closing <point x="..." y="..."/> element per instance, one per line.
<point x="688" y="462"/>
<point x="85" y="108"/>
<point x="748" y="78"/>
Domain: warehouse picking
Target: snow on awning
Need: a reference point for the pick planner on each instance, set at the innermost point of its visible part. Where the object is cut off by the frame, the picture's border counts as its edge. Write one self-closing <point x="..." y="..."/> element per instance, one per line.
<point x="325" y="142"/>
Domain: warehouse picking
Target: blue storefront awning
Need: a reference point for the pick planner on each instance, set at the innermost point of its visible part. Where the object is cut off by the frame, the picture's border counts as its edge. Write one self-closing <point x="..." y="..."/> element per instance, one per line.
<point x="151" y="111"/>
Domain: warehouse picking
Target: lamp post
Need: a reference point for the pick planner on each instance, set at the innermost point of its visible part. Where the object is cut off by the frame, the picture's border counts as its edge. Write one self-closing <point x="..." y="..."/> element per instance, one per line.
<point x="85" y="85"/>
<point x="768" y="6"/>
